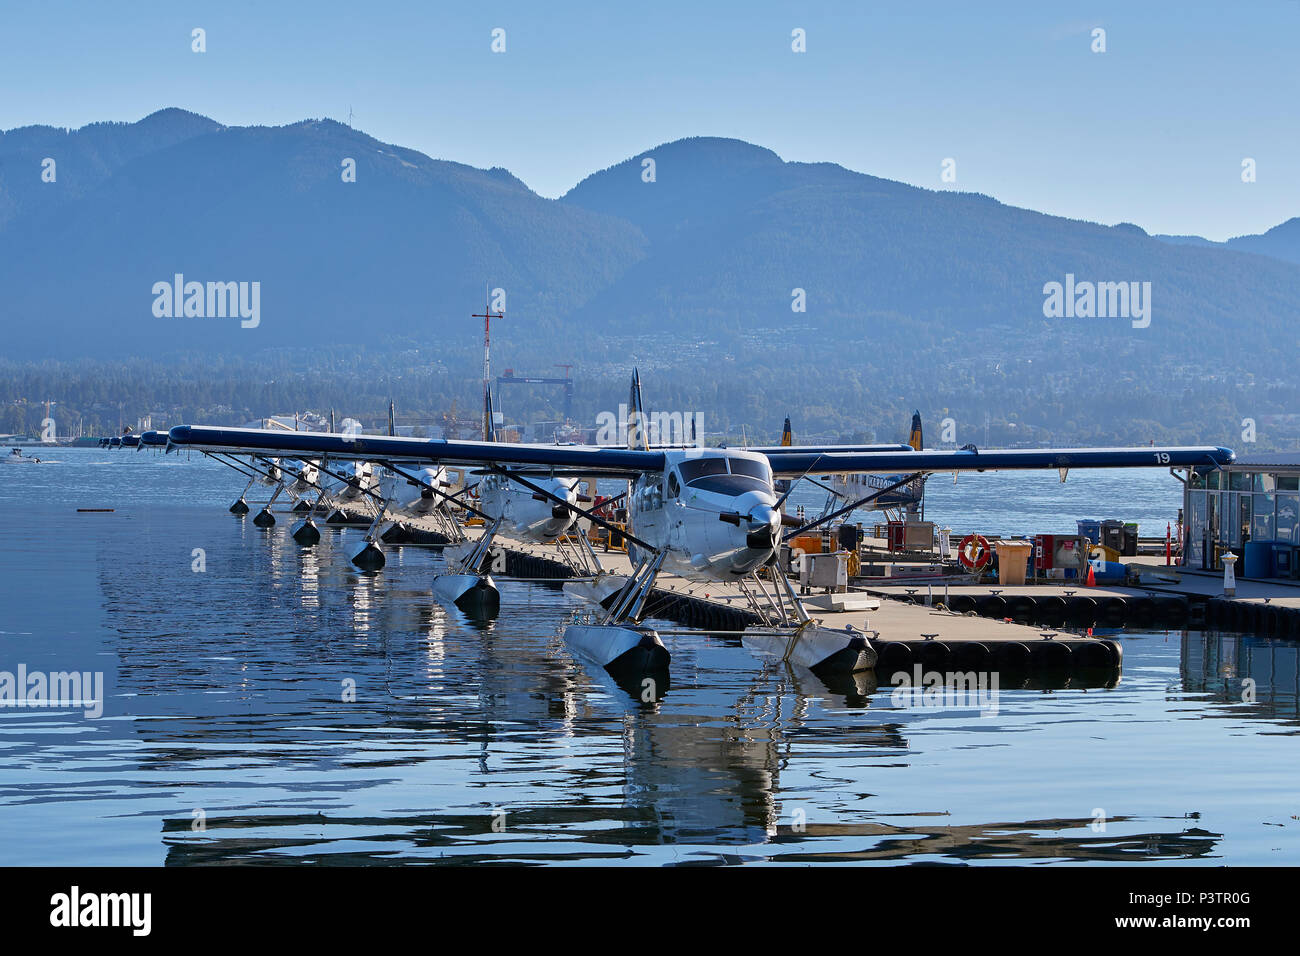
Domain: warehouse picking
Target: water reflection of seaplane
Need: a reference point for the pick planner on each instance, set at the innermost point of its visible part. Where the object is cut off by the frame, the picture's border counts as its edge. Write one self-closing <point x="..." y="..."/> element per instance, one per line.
<point x="706" y="514"/>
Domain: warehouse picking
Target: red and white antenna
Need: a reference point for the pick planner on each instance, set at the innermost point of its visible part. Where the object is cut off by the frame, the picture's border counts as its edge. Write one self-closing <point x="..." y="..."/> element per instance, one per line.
<point x="487" y="317"/>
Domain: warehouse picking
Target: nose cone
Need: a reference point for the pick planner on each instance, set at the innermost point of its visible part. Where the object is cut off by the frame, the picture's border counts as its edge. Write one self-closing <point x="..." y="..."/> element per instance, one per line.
<point x="764" y="528"/>
<point x="764" y="516"/>
<point x="752" y="501"/>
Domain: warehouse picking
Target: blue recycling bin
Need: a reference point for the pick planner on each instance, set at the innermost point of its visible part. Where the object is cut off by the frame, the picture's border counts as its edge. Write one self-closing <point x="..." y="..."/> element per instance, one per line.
<point x="1091" y="530"/>
<point x="1257" y="559"/>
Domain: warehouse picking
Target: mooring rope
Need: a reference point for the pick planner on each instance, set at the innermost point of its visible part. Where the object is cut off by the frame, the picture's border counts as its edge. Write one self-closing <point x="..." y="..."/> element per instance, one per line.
<point x="794" y="639"/>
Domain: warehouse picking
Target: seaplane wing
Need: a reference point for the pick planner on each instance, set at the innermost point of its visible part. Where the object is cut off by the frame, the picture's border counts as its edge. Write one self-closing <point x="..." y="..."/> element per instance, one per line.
<point x="268" y="442"/>
<point x="796" y="461"/>
<point x="786" y="462"/>
<point x="150" y="439"/>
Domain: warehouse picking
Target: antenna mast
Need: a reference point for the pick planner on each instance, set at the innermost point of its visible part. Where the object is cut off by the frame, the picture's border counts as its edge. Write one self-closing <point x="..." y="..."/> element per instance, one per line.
<point x="487" y="317"/>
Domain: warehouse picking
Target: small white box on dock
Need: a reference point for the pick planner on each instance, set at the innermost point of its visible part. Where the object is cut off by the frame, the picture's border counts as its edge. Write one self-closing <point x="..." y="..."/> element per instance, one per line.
<point x="826" y="571"/>
<point x="848" y="601"/>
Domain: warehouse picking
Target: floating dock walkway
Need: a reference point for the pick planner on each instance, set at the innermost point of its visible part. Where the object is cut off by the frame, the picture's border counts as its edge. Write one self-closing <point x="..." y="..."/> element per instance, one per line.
<point x="1167" y="598"/>
<point x="909" y="633"/>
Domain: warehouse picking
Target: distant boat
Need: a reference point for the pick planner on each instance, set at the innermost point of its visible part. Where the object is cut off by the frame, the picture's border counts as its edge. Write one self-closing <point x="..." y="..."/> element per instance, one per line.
<point x="16" y="457"/>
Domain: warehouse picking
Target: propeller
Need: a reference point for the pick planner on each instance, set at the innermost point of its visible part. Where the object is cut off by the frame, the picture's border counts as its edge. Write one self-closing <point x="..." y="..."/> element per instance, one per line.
<point x="735" y="517"/>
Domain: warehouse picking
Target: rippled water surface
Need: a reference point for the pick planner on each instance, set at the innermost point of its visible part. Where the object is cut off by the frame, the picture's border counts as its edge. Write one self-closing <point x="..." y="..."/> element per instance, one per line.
<point x="226" y="736"/>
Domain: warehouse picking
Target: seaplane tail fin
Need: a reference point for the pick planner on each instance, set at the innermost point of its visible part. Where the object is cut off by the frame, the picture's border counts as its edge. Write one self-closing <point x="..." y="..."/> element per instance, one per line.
<point x="787" y="435"/>
<point x="915" y="439"/>
<point x="638" y="438"/>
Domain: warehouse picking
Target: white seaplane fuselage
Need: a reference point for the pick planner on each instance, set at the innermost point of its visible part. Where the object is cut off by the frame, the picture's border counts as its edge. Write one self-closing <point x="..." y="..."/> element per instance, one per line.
<point x="526" y="514"/>
<point x="414" y="497"/>
<point x="712" y="509"/>
<point x="855" y="487"/>
<point x="307" y="472"/>
<point x="360" y="477"/>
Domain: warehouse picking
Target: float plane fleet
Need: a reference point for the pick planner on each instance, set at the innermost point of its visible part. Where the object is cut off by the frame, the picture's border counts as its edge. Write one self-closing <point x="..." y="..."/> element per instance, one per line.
<point x="704" y="514"/>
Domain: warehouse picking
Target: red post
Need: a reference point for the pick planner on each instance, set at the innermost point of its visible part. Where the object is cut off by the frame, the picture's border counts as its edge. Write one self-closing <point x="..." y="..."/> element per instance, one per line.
<point x="1168" y="545"/>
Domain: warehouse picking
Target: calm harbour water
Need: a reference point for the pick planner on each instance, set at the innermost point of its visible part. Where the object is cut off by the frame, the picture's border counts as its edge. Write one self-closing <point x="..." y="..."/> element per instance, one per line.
<point x="223" y="707"/>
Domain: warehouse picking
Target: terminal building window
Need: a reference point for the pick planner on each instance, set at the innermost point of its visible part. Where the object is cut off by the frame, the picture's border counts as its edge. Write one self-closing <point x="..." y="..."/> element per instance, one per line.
<point x="1227" y="511"/>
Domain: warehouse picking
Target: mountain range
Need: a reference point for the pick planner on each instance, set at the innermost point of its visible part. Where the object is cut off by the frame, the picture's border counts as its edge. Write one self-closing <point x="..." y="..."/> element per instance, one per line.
<point x="727" y="260"/>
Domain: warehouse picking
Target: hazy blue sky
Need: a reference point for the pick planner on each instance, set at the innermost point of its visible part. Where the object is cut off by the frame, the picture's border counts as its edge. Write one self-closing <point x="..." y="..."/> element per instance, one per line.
<point x="1152" y="131"/>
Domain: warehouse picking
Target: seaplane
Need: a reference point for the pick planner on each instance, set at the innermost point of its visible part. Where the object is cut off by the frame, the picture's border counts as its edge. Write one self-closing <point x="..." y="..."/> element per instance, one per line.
<point x="529" y="506"/>
<point x="706" y="514"/>
<point x="895" y="498"/>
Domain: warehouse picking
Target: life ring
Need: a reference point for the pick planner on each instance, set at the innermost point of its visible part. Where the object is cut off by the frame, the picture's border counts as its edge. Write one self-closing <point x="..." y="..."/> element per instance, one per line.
<point x="974" y="552"/>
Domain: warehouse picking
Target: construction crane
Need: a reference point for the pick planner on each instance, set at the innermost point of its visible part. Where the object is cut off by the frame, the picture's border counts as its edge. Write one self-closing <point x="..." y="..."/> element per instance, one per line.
<point x="510" y="378"/>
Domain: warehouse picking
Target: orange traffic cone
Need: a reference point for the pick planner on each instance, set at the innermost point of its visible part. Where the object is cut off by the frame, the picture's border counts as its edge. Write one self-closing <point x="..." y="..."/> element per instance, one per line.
<point x="1092" y="577"/>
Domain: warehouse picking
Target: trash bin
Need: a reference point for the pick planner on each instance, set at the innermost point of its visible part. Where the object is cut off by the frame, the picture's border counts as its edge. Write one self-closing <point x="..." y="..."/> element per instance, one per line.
<point x="1013" y="560"/>
<point x="1130" y="548"/>
<point x="1112" y="535"/>
<point x="1257" y="558"/>
<point x="1091" y="530"/>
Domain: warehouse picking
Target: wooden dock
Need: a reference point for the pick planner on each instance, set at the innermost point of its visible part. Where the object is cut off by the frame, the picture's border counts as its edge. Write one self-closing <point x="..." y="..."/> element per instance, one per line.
<point x="901" y="632"/>
<point x="1167" y="597"/>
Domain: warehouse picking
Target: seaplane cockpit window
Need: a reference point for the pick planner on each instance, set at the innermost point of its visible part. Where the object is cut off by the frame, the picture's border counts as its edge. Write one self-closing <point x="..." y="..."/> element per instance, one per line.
<point x="697" y="468"/>
<point x="754" y="469"/>
<point x="710" y="474"/>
